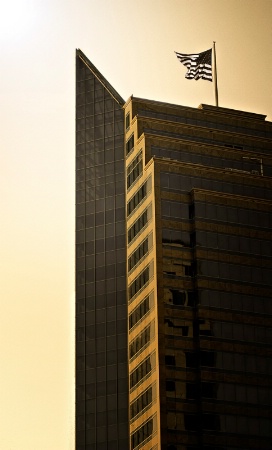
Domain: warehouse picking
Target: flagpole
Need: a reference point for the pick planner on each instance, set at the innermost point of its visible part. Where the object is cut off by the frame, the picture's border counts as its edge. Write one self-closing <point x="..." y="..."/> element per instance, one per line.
<point x="215" y="76"/>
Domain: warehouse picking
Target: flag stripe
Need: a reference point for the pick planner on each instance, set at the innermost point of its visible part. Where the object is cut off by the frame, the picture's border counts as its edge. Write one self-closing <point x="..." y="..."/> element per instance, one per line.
<point x="199" y="65"/>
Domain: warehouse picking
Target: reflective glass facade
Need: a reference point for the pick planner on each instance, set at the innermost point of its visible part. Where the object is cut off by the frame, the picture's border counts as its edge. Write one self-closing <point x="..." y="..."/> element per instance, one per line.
<point x="101" y="309"/>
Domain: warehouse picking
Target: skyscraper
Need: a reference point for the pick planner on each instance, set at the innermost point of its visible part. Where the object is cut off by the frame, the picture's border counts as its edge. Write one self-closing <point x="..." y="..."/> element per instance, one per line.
<point x="101" y="307"/>
<point x="196" y="273"/>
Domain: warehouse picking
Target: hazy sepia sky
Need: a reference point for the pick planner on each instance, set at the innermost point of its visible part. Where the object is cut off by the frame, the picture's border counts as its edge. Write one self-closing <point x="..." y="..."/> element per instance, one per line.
<point x="132" y="44"/>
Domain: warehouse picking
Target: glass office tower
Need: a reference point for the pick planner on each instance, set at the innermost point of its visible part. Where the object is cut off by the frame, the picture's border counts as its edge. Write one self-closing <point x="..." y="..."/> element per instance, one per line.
<point x="199" y="249"/>
<point x="101" y="309"/>
<point x="174" y="214"/>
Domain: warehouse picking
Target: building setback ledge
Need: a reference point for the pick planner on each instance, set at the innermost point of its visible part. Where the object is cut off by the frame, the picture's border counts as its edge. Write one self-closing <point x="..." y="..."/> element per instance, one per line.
<point x="231" y="112"/>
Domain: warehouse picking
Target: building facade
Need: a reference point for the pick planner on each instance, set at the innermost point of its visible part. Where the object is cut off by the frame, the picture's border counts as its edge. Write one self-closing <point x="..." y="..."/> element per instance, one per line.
<point x="196" y="276"/>
<point x="101" y="306"/>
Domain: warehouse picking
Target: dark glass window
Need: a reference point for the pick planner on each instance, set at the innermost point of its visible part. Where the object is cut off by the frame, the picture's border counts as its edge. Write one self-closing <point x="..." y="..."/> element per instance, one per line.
<point x="139" y="312"/>
<point x="207" y="358"/>
<point x="174" y="210"/>
<point x="192" y="359"/>
<point x="178" y="297"/>
<point x="184" y="183"/>
<point x="170" y="385"/>
<point x="177" y="238"/>
<point x="208" y="390"/>
<point x="190" y="270"/>
<point x="134" y="170"/>
<point x="140" y="281"/>
<point x="142" y="434"/>
<point x="139" y="342"/>
<point x="142" y="192"/>
<point x="183" y="298"/>
<point x="192" y="391"/>
<point x="170" y="360"/>
<point x="139" y="224"/>
<point x="127" y="121"/>
<point x="141" y="403"/>
<point x="130" y="144"/>
<point x="176" y="327"/>
<point x="211" y="422"/>
<point x="142" y="370"/>
<point x="140" y="252"/>
<point x="191" y="422"/>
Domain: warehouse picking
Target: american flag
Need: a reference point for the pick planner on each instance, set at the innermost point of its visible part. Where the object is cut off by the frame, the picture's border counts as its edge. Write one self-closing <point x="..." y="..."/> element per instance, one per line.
<point x="199" y="65"/>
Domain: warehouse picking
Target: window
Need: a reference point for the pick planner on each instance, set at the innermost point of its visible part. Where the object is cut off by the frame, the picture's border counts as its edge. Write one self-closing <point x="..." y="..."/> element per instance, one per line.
<point x="170" y="360"/>
<point x="175" y="210"/>
<point x="211" y="422"/>
<point x="190" y="270"/>
<point x="192" y="391"/>
<point x="140" y="311"/>
<point x="140" y="252"/>
<point x="142" y="192"/>
<point x="208" y="390"/>
<point x="142" y="434"/>
<point x="139" y="342"/>
<point x="207" y="358"/>
<point x="179" y="297"/>
<point x="139" y="224"/>
<point x="191" y="422"/>
<point x="176" y="327"/>
<point x="191" y="359"/>
<point x="140" y="281"/>
<point x="127" y="121"/>
<point x="141" y="403"/>
<point x="170" y="386"/>
<point x="191" y="211"/>
<point x="134" y="170"/>
<point x="142" y="370"/>
<point x="130" y="144"/>
<point x="177" y="238"/>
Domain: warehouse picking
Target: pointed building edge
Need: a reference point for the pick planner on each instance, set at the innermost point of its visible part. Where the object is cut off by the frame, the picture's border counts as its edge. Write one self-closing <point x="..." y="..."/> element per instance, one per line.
<point x="100" y="77"/>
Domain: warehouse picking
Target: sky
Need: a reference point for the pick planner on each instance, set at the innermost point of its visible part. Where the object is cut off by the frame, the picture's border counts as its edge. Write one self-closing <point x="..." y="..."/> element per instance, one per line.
<point x="132" y="45"/>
